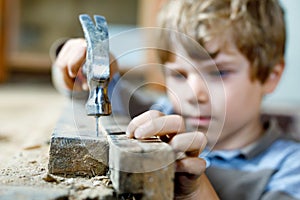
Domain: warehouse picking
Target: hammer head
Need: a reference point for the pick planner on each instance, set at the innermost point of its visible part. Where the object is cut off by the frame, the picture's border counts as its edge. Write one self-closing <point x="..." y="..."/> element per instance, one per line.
<point x="98" y="103"/>
<point x="96" y="66"/>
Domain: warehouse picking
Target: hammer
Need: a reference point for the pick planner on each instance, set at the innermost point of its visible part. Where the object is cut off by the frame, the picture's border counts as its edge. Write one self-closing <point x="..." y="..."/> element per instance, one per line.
<point x="96" y="67"/>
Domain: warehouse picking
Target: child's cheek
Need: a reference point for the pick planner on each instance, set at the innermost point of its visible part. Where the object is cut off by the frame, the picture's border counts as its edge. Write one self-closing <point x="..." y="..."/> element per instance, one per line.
<point x="175" y="101"/>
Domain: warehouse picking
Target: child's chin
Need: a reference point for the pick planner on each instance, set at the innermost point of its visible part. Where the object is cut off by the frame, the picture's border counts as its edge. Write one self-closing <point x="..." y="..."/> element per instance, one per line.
<point x="192" y="127"/>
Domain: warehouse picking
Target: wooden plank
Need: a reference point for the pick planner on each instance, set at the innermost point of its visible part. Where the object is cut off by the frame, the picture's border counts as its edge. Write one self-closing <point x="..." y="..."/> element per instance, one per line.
<point x="75" y="150"/>
<point x="142" y="168"/>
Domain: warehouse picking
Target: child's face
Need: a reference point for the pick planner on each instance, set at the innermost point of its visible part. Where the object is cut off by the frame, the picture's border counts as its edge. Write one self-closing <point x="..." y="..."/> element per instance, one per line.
<point x="210" y="93"/>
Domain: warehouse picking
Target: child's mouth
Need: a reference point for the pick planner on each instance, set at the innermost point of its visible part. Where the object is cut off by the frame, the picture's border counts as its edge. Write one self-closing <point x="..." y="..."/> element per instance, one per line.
<point x="202" y="121"/>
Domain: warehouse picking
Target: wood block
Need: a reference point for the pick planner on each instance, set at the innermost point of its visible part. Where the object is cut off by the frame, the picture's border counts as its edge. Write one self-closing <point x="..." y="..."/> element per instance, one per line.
<point x="72" y="155"/>
<point x="74" y="147"/>
<point x="144" y="168"/>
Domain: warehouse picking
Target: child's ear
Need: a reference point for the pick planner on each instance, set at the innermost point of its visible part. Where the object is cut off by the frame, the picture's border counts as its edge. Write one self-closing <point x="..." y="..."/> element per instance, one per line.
<point x="274" y="78"/>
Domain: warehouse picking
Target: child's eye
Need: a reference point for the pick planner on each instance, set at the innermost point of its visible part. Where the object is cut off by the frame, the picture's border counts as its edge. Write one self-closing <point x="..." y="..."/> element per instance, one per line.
<point x="220" y="73"/>
<point x="178" y="75"/>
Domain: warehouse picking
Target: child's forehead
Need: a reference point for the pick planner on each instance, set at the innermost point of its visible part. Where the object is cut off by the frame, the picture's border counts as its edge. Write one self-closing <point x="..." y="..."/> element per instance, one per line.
<point x="209" y="51"/>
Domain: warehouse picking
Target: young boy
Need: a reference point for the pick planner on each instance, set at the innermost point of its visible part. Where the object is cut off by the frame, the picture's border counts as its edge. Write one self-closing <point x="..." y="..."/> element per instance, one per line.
<point x="216" y="101"/>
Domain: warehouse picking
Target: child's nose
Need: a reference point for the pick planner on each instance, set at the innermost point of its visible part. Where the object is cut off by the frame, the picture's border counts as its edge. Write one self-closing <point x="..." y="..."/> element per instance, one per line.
<point x="199" y="89"/>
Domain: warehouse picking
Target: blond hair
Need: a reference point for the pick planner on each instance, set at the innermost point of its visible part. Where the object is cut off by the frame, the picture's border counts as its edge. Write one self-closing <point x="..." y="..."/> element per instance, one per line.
<point x="256" y="27"/>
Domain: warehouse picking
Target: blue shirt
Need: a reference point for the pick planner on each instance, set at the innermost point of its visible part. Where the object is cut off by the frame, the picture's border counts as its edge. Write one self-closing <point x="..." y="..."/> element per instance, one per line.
<point x="276" y="156"/>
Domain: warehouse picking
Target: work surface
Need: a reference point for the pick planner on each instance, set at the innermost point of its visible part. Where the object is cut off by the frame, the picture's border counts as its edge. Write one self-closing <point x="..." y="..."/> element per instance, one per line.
<point x="28" y="114"/>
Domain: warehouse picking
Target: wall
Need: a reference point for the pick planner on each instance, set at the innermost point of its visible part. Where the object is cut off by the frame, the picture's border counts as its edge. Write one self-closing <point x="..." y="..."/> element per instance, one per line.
<point x="288" y="91"/>
<point x="42" y="22"/>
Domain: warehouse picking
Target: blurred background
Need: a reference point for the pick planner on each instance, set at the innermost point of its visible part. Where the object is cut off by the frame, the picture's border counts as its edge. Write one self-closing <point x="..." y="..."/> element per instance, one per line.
<point x="28" y="29"/>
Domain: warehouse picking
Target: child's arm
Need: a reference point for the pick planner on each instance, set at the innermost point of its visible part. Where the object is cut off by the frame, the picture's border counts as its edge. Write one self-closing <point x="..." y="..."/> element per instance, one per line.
<point x="190" y="180"/>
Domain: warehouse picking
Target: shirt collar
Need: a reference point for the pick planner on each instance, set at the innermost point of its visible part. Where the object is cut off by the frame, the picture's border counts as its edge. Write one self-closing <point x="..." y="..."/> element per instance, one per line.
<point x="224" y="155"/>
<point x="272" y="133"/>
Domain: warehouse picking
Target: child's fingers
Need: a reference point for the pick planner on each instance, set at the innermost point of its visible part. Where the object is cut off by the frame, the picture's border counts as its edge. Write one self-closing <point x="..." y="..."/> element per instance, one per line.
<point x="72" y="56"/>
<point x="63" y="56"/>
<point x="191" y="143"/>
<point x="191" y="165"/>
<point x="76" y="60"/>
<point x="160" y="126"/>
<point x="141" y="119"/>
<point x="68" y="81"/>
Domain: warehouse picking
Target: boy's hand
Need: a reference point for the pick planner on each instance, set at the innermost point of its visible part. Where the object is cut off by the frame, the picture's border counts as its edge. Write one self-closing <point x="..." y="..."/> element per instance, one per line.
<point x="67" y="66"/>
<point x="171" y="128"/>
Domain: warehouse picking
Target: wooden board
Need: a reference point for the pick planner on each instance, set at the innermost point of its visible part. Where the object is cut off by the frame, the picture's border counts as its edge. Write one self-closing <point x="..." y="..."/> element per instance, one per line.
<point x="143" y="168"/>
